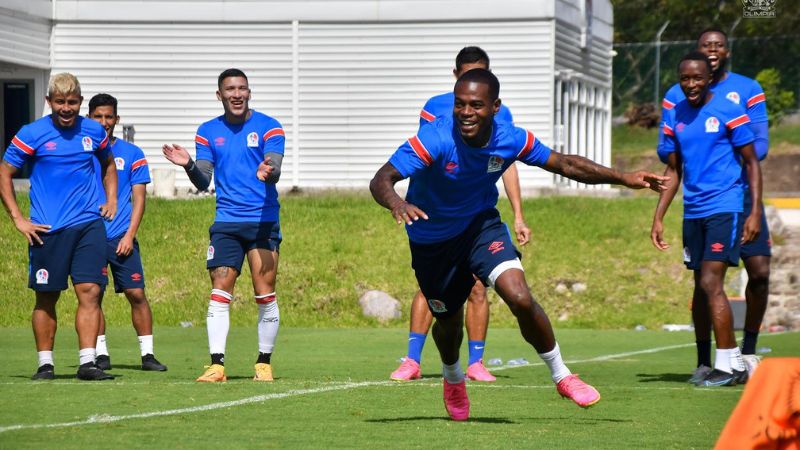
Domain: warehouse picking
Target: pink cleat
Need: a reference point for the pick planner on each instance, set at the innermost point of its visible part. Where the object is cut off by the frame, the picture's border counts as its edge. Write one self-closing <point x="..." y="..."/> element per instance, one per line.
<point x="579" y="392"/>
<point x="455" y="400"/>
<point x="477" y="372"/>
<point x="408" y="370"/>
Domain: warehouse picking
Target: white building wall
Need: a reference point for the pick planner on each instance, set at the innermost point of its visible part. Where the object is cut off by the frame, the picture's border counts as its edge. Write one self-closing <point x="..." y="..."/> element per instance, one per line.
<point x="25" y="33"/>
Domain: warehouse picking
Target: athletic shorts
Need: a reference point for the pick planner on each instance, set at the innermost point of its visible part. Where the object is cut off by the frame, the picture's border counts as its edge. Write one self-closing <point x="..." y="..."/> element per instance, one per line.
<point x="127" y="270"/>
<point x="230" y="242"/>
<point x="78" y="252"/>
<point x="444" y="269"/>
<point x="713" y="238"/>
<point x="762" y="246"/>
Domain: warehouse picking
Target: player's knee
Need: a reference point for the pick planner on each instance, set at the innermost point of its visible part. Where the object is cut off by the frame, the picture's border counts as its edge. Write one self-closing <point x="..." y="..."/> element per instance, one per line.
<point x="711" y="285"/>
<point x="136" y="296"/>
<point x="519" y="300"/>
<point x="478" y="295"/>
<point x="758" y="276"/>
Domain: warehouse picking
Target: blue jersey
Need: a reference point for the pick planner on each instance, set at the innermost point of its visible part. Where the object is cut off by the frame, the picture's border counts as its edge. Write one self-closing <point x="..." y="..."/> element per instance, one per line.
<point x="453" y="182"/>
<point x="64" y="191"/>
<point x="442" y="106"/>
<point x="705" y="137"/>
<point x="131" y="169"/>
<point x="236" y="151"/>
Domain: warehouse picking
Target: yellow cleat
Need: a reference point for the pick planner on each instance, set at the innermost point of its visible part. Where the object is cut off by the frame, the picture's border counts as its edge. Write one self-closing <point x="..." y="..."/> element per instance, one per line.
<point x="213" y="374"/>
<point x="263" y="372"/>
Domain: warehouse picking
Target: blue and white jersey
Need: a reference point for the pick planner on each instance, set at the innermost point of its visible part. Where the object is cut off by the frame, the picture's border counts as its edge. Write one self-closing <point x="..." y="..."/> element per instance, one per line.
<point x="442" y="106"/>
<point x="453" y="182"/>
<point x="64" y="190"/>
<point x="131" y="170"/>
<point x="236" y="151"/>
<point x="706" y="138"/>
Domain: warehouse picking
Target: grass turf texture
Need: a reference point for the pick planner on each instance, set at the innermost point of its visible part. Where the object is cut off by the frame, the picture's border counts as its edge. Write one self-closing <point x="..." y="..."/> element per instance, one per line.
<point x="337" y="245"/>
<point x="646" y="401"/>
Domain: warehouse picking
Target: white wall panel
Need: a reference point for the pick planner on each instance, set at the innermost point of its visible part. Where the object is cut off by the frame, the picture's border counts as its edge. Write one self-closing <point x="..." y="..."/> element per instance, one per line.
<point x="25" y="38"/>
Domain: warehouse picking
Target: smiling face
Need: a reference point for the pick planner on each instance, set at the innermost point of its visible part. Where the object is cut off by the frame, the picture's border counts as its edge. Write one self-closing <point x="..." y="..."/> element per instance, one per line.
<point x="473" y="112"/>
<point x="65" y="107"/>
<point x="234" y="93"/>
<point x="106" y="117"/>
<point x="715" y="46"/>
<point x="695" y="79"/>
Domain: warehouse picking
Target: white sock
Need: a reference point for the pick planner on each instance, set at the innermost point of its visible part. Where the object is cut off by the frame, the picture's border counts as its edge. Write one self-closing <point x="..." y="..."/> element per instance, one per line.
<point x="46" y="357"/>
<point x="146" y="344"/>
<point x="86" y="355"/>
<point x="101" y="347"/>
<point x="452" y="372"/>
<point x="737" y="363"/>
<point x="723" y="360"/>
<point x="268" y="321"/>
<point x="218" y="320"/>
<point x="558" y="370"/>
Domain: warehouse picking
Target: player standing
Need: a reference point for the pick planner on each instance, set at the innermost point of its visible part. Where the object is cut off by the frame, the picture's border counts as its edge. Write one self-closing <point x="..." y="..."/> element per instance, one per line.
<point x="245" y="148"/>
<point x="65" y="233"/>
<point x="477" y="313"/>
<point x="122" y="248"/>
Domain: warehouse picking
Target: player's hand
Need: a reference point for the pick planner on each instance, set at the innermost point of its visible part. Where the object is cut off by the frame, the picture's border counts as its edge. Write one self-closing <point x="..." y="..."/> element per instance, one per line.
<point x="657" y="236"/>
<point x="125" y="246"/>
<point x="407" y="213"/>
<point x="176" y="154"/>
<point x="31" y="230"/>
<point x="752" y="227"/>
<point x="264" y="169"/>
<point x="522" y="231"/>
<point x="108" y="210"/>
<point x="642" y="179"/>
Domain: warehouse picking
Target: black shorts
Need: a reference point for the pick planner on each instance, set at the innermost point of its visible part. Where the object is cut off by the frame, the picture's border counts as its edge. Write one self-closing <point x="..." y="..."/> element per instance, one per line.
<point x="127" y="270"/>
<point x="713" y="238"/>
<point x="230" y="242"/>
<point x="78" y="252"/>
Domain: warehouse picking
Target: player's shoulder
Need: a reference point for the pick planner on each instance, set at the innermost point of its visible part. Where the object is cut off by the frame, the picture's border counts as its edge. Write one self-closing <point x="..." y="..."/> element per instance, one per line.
<point x="90" y="126"/>
<point x="441" y="99"/>
<point x="211" y="124"/>
<point x="437" y="134"/>
<point x="739" y="78"/>
<point x="727" y="109"/>
<point x="123" y="147"/>
<point x="264" y="120"/>
<point x="672" y="97"/>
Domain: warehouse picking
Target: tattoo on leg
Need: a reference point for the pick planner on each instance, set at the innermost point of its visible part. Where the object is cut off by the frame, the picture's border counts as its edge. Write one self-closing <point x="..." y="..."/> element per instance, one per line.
<point x="220" y="272"/>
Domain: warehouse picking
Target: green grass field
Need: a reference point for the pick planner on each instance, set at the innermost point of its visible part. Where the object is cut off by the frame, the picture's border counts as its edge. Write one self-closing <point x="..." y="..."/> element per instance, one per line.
<point x="332" y="391"/>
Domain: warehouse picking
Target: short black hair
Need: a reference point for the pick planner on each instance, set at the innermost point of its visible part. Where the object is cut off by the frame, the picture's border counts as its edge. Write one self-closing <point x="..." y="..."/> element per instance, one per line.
<point x="102" y="100"/>
<point x="695" y="55"/>
<point x="485" y="77"/>
<point x="471" y="55"/>
<point x="228" y="73"/>
<point x="712" y="30"/>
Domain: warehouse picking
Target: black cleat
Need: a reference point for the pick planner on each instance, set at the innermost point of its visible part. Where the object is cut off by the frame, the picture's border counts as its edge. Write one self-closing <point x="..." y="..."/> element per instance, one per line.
<point x="45" y="372"/>
<point x="719" y="378"/>
<point x="741" y="377"/>
<point x="90" y="372"/>
<point x="103" y="362"/>
<point x="149" y="362"/>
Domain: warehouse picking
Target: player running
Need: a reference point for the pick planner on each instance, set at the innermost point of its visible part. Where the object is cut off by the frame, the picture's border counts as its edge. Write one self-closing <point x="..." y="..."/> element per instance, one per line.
<point x="704" y="139"/>
<point x="756" y="254"/>
<point x="245" y="147"/>
<point x="477" y="321"/>
<point x="122" y="249"/>
<point x="455" y="231"/>
<point x="65" y="233"/>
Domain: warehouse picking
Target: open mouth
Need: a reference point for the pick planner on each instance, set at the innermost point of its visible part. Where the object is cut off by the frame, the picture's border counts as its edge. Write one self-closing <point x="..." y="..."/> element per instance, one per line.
<point x="693" y="96"/>
<point x="467" y="125"/>
<point x="714" y="60"/>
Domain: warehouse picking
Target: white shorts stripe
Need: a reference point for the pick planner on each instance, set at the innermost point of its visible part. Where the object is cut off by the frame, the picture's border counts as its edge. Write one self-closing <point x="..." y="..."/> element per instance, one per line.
<point x="502" y="267"/>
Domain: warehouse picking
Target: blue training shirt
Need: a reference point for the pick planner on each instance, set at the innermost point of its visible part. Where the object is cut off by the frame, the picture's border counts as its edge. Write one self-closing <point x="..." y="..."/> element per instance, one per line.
<point x="236" y="151"/>
<point x="706" y="138"/>
<point x="453" y="182"/>
<point x="442" y="106"/>
<point x="132" y="169"/>
<point x="63" y="191"/>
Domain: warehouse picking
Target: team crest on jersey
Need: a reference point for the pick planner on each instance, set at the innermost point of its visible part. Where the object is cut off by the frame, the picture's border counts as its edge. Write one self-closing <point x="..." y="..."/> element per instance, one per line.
<point x="210" y="253"/>
<point x="712" y="125"/>
<point x="120" y="163"/>
<point x="733" y="96"/>
<point x="687" y="256"/>
<point x="87" y="144"/>
<point x="252" y="139"/>
<point x="495" y="164"/>
<point x="42" y="276"/>
<point x="437" y="306"/>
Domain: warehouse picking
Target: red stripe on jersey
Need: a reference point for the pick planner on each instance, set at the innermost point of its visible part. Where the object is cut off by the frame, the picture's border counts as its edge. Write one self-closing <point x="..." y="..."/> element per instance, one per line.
<point x="219" y="298"/>
<point x="200" y="140"/>
<point x="139" y="163"/>
<point x="103" y="144"/>
<point x="427" y="116"/>
<point x="666" y="104"/>
<point x="266" y="299"/>
<point x="23" y="146"/>
<point x="668" y="130"/>
<point x="758" y="98"/>
<point x="529" y="139"/>
<point x="420" y="150"/>
<point x="273" y="132"/>
<point x="741" y="120"/>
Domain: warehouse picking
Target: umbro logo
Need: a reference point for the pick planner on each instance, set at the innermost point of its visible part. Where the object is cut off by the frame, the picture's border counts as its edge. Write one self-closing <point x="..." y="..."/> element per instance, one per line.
<point x="496" y="246"/>
<point x="717" y="247"/>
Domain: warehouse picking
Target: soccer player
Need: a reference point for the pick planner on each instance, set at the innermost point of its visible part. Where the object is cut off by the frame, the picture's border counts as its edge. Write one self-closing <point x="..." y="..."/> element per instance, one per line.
<point x="122" y="249"/>
<point x="704" y="139"/>
<point x="756" y="254"/>
<point x="65" y="233"/>
<point x="478" y="304"/>
<point x="245" y="147"/>
<point x="455" y="231"/>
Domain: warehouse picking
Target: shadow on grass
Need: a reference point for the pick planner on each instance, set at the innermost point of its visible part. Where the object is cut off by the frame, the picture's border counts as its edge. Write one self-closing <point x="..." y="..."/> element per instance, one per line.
<point x="446" y="419"/>
<point x="665" y="377"/>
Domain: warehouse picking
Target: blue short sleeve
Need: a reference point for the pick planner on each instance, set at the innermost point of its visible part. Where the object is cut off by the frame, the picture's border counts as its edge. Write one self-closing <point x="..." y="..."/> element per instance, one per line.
<point x="417" y="153"/>
<point x="274" y="139"/>
<point x="531" y="150"/>
<point x="21" y="148"/>
<point x="202" y="146"/>
<point x="140" y="171"/>
<point x="757" y="104"/>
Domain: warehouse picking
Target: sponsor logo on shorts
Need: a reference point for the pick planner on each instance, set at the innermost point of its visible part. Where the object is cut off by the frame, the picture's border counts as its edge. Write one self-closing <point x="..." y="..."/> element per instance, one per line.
<point x="210" y="253"/>
<point x="437" y="306"/>
<point x="50" y="145"/>
<point x="733" y="96"/>
<point x="104" y="271"/>
<point x="687" y="256"/>
<point x="769" y="242"/>
<point x="42" y="275"/>
<point x="712" y="125"/>
<point x="495" y="164"/>
<point x="717" y="247"/>
<point x="136" y="277"/>
<point x="496" y="246"/>
<point x="252" y="139"/>
<point x="120" y="163"/>
<point x="220" y="141"/>
<point x="451" y="167"/>
<point x="87" y="143"/>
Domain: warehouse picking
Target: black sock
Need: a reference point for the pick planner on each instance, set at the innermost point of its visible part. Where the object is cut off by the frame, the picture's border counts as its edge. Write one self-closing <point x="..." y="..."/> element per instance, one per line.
<point x="749" y="342"/>
<point x="263" y="358"/>
<point x="218" y="358"/>
<point x="704" y="353"/>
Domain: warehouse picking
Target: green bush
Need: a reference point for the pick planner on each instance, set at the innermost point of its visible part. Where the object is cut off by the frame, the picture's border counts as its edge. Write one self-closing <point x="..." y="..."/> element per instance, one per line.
<point x="779" y="101"/>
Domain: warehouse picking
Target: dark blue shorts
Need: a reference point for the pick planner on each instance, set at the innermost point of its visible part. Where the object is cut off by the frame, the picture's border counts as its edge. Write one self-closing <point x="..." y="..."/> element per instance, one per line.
<point x="230" y="242"/>
<point x="762" y="246"/>
<point x="713" y="238"/>
<point x="78" y="252"/>
<point x="444" y="269"/>
<point x="127" y="270"/>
